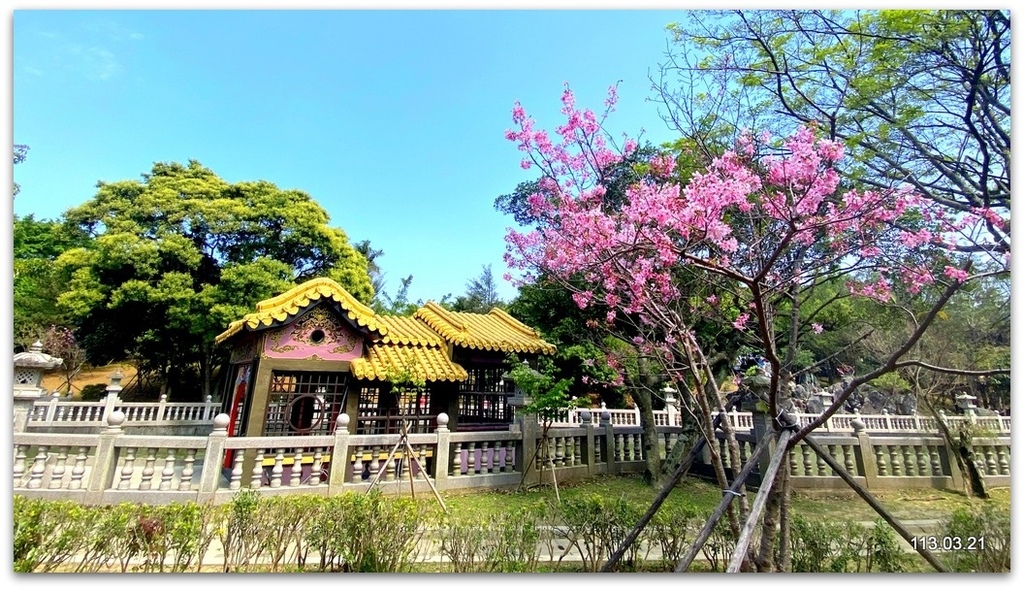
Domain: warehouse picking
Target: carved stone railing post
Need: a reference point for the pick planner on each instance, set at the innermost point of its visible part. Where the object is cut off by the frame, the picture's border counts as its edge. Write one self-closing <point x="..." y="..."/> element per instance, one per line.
<point x="339" y="456"/>
<point x="112" y="399"/>
<point x="611" y="461"/>
<point x="442" y="452"/>
<point x="106" y="457"/>
<point x="213" y="458"/>
<point x="866" y="453"/>
<point x="588" y="453"/>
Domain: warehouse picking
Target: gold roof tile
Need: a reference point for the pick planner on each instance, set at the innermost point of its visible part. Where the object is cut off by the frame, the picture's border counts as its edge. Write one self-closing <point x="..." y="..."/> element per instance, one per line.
<point x="409" y="331"/>
<point x="495" y="330"/>
<point x="298" y="298"/>
<point x="429" y="362"/>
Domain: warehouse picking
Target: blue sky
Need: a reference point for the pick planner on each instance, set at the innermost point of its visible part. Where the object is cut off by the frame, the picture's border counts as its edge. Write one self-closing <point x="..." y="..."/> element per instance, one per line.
<point x="393" y="120"/>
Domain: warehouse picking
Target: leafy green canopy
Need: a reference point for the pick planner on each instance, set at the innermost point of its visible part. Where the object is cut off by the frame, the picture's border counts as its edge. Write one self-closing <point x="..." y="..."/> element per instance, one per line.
<point x="181" y="253"/>
<point x="917" y="96"/>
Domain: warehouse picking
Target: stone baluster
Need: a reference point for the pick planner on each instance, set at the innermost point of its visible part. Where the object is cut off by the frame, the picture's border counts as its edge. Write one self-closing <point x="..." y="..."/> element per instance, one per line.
<point x="389" y="469"/>
<point x="318" y="465"/>
<point x="923" y="462"/>
<point x="148" y="470"/>
<point x="896" y="460"/>
<point x="358" y="467"/>
<point x="374" y="462"/>
<point x="794" y="465"/>
<point x="936" y="462"/>
<point x="577" y="451"/>
<point x="471" y="468"/>
<point x="256" y="477"/>
<point x="457" y="460"/>
<point x="128" y="469"/>
<point x="848" y="462"/>
<point x="236" y="470"/>
<point x="277" y="471"/>
<point x="486" y="462"/>
<point x="618" y="447"/>
<point x="187" y="471"/>
<point x="20" y="454"/>
<point x="501" y="457"/>
<point x="38" y="469"/>
<point x="295" y="473"/>
<point x="510" y="455"/>
<point x="990" y="461"/>
<point x="168" y="473"/>
<point x="1004" y="461"/>
<point x="881" y="454"/>
<point x="909" y="462"/>
<point x="57" y="476"/>
<point x="808" y="463"/>
<point x="559" y="451"/>
<point x="822" y="466"/>
<point x="78" y="471"/>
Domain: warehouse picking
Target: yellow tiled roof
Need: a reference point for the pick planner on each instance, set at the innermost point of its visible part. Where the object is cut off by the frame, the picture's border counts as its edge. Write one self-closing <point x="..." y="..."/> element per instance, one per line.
<point x="409" y="331"/>
<point x="495" y="330"/>
<point x="294" y="300"/>
<point x="429" y="362"/>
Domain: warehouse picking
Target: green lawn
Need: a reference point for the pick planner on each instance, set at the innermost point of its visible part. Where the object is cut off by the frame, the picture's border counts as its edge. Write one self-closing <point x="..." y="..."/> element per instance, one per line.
<point x="904" y="504"/>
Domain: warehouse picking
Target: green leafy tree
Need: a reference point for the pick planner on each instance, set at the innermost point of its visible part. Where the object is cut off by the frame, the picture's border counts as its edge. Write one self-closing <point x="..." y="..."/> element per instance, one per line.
<point x="371" y="255"/>
<point x="481" y="294"/>
<point x="918" y="96"/>
<point x="37" y="244"/>
<point x="178" y="255"/>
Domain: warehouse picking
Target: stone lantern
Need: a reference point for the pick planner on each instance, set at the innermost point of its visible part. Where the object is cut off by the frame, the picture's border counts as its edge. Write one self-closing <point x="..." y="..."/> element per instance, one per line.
<point x="965" y="403"/>
<point x="28" y="381"/>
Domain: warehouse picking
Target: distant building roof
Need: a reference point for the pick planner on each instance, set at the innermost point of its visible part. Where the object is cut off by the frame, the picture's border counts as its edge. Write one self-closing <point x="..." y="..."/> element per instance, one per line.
<point x="420" y="343"/>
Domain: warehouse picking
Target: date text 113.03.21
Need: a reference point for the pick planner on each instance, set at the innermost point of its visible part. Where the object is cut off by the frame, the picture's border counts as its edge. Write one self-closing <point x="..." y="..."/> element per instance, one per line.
<point x="935" y="543"/>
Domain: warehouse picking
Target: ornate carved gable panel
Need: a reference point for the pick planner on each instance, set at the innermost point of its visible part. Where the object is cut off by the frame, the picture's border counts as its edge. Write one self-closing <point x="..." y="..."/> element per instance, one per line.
<point x="318" y="334"/>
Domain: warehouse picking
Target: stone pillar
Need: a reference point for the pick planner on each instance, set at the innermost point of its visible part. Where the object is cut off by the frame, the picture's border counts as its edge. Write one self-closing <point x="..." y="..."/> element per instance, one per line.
<point x="609" y="442"/>
<point x="339" y="456"/>
<point x="867" y="453"/>
<point x="527" y="426"/>
<point x="588" y="448"/>
<point x="113" y="394"/>
<point x="24" y="401"/>
<point x="209" y="479"/>
<point x="106" y="457"/>
<point x="762" y="422"/>
<point x="442" y="452"/>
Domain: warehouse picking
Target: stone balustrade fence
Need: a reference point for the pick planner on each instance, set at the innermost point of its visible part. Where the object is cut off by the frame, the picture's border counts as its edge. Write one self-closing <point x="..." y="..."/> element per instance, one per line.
<point x="117" y="466"/>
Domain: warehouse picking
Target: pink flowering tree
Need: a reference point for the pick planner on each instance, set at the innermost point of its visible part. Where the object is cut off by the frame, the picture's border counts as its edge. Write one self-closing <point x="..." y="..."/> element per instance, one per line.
<point x="764" y="224"/>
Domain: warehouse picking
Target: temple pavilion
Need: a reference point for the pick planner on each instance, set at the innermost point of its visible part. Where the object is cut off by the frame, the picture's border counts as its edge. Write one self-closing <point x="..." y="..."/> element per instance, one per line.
<point x="307" y="355"/>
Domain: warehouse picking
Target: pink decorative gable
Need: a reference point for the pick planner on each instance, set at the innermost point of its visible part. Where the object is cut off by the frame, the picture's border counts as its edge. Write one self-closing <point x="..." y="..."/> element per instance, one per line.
<point x="318" y="334"/>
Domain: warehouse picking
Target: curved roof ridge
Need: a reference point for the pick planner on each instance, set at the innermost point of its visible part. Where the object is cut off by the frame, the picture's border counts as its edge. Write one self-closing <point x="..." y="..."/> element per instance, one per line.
<point x="513" y="322"/>
<point x="291" y="302"/>
<point x="445" y="315"/>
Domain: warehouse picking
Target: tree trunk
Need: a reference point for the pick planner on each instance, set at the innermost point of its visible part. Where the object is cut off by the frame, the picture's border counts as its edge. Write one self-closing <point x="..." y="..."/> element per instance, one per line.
<point x="649" y="436"/>
<point x="784" y="561"/>
<point x="766" y="557"/>
<point x="964" y="454"/>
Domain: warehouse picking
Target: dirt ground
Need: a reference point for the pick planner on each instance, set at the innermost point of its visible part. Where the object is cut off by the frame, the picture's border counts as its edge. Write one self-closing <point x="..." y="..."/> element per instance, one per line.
<point x="55" y="380"/>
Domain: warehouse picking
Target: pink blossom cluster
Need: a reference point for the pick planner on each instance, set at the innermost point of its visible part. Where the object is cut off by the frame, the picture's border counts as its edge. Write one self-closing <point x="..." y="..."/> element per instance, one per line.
<point x="629" y="257"/>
